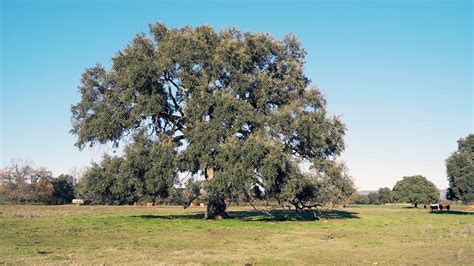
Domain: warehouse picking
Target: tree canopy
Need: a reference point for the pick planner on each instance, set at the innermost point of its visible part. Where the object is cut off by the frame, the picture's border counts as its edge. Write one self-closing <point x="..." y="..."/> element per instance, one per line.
<point x="63" y="189"/>
<point x="362" y="199"/>
<point x="415" y="189"/>
<point x="373" y="197"/>
<point x="22" y="182"/>
<point x="460" y="171"/>
<point x="232" y="106"/>
<point x="385" y="195"/>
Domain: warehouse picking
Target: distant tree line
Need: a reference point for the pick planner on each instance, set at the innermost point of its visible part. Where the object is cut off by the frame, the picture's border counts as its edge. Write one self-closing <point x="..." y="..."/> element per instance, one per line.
<point x="412" y="189"/>
<point x="417" y="189"/>
<point x="21" y="182"/>
<point x="382" y="196"/>
<point x="115" y="181"/>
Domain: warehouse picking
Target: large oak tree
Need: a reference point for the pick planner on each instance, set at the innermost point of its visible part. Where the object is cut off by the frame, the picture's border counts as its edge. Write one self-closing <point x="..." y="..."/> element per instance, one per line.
<point x="232" y="106"/>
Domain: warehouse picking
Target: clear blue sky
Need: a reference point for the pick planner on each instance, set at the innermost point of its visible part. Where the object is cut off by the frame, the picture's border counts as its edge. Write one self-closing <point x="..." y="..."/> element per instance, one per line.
<point x="398" y="72"/>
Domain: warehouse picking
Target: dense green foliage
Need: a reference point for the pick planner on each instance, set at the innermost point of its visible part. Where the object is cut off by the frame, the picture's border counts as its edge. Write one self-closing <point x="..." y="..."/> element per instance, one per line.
<point x="385" y="195"/>
<point x="145" y="159"/>
<point x="415" y="189"/>
<point x="460" y="171"/>
<point x="63" y="189"/>
<point x="381" y="196"/>
<point x="146" y="172"/>
<point x="361" y="199"/>
<point x="373" y="198"/>
<point x="232" y="106"/>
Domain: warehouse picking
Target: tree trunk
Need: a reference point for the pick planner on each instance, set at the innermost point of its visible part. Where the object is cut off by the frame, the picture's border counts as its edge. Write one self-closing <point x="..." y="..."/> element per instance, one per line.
<point x="216" y="208"/>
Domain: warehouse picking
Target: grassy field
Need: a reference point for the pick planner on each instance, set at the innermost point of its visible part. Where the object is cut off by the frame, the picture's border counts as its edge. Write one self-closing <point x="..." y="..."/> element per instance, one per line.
<point x="171" y="235"/>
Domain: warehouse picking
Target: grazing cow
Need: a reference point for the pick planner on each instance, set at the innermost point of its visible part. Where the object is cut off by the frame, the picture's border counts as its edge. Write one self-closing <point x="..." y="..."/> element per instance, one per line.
<point x="78" y="202"/>
<point x="434" y="207"/>
<point x="448" y="207"/>
<point x="441" y="207"/>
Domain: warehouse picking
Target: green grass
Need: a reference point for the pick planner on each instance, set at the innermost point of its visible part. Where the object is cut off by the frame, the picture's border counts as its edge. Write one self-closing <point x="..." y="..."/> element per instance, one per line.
<point x="139" y="235"/>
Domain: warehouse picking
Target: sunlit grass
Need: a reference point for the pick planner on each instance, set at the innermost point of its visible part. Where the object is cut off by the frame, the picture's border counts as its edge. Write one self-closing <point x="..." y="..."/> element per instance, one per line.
<point x="140" y="235"/>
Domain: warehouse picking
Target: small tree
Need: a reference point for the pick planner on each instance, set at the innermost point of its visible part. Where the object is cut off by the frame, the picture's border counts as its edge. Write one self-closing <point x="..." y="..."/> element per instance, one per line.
<point x="373" y="198"/>
<point x="415" y="189"/>
<point x="63" y="189"/>
<point x="41" y="183"/>
<point x="460" y="171"/>
<point x="14" y="180"/>
<point x="385" y="195"/>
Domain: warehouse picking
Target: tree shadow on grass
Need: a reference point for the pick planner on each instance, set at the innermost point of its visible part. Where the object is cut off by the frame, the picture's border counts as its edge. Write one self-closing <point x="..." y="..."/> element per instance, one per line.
<point x="452" y="213"/>
<point x="190" y="216"/>
<point x="277" y="216"/>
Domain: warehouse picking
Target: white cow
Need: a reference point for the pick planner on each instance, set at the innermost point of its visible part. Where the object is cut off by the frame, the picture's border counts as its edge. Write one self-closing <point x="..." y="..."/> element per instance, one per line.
<point x="78" y="201"/>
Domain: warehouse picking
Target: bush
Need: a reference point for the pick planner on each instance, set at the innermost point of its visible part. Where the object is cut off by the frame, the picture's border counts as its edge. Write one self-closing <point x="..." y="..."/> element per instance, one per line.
<point x="362" y="199"/>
